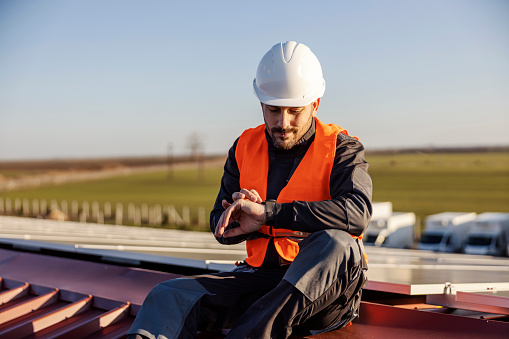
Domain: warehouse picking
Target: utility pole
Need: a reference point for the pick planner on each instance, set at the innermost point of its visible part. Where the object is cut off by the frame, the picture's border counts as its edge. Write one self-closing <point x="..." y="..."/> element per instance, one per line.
<point x="170" y="161"/>
<point x="195" y="144"/>
<point x="201" y="164"/>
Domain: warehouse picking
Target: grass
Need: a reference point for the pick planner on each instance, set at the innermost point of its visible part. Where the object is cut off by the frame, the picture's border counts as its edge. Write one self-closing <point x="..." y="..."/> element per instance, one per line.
<point x="185" y="188"/>
<point x="421" y="183"/>
<point x="432" y="183"/>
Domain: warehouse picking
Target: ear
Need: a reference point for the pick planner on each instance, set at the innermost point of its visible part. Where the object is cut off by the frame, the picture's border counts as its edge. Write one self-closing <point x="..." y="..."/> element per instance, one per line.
<point x="315" y="104"/>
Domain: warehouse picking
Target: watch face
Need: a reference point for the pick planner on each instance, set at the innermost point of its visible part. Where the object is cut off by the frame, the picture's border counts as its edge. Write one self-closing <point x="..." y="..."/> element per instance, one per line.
<point x="269" y="212"/>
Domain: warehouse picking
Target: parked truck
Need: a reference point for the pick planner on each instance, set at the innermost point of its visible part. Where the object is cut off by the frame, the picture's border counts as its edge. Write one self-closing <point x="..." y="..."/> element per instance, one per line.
<point x="489" y="234"/>
<point x="390" y="229"/>
<point x="446" y="232"/>
<point x="381" y="210"/>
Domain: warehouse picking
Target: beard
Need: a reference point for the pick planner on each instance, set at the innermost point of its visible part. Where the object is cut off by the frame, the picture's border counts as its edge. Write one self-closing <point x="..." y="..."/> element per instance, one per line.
<point x="290" y="139"/>
<point x="292" y="135"/>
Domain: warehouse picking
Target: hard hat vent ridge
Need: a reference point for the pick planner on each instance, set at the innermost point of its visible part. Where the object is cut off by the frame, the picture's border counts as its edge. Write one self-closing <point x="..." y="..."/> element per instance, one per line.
<point x="287" y="50"/>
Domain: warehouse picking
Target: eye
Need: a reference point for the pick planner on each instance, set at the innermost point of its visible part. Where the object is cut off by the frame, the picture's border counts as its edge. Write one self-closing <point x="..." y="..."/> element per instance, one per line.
<point x="273" y="108"/>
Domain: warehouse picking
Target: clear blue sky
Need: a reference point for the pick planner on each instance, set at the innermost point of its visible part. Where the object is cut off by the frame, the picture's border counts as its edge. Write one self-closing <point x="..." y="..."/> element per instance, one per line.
<point x="126" y="78"/>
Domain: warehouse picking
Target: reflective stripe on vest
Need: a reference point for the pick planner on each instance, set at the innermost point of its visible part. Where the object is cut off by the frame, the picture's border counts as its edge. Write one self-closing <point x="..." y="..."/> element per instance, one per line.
<point x="309" y="182"/>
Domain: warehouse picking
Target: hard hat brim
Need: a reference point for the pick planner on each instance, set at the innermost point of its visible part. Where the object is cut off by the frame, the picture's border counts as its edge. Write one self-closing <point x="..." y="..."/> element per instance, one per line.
<point x="287" y="102"/>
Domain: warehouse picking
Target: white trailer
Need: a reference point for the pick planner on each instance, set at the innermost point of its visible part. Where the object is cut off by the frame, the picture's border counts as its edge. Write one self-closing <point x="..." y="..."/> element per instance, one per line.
<point x="489" y="234"/>
<point x="446" y="232"/>
<point x="381" y="210"/>
<point x="390" y="229"/>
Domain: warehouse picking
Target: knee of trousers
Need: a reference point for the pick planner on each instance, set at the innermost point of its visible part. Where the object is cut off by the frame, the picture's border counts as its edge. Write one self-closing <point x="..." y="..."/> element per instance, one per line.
<point x="182" y="284"/>
<point x="336" y="244"/>
<point x="174" y="290"/>
<point x="324" y="257"/>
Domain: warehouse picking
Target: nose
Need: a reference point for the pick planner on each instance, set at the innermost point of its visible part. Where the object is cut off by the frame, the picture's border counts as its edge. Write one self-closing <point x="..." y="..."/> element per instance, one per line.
<point x="284" y="119"/>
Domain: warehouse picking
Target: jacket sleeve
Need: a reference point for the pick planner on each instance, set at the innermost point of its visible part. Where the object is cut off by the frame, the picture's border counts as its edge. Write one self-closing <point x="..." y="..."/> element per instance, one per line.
<point x="349" y="208"/>
<point x="229" y="185"/>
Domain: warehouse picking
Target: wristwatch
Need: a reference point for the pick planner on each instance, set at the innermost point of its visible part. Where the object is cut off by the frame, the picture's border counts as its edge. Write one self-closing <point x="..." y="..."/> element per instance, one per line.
<point x="269" y="212"/>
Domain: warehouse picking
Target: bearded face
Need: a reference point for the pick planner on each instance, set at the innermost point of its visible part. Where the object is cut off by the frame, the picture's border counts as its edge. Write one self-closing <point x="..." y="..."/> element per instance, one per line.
<point x="286" y="125"/>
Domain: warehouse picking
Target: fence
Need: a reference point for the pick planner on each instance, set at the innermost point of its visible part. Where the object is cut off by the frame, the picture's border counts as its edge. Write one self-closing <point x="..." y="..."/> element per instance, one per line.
<point x="118" y="213"/>
<point x="64" y="178"/>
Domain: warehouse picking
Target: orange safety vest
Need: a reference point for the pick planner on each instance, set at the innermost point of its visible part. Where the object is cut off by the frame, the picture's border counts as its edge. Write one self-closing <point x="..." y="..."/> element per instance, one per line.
<point x="309" y="182"/>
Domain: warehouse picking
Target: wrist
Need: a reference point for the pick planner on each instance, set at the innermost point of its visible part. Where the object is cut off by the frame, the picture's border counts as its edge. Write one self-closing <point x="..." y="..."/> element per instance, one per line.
<point x="270" y="214"/>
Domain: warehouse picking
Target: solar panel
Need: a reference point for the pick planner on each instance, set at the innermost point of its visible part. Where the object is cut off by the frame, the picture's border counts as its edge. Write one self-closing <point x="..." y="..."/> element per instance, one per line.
<point x="411" y="272"/>
<point x="404" y="285"/>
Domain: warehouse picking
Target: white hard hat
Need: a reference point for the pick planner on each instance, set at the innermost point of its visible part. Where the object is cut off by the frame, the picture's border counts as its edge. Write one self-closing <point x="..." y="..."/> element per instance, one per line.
<point x="289" y="75"/>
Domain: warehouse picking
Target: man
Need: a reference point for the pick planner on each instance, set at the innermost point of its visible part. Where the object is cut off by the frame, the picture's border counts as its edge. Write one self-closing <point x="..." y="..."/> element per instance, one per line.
<point x="298" y="193"/>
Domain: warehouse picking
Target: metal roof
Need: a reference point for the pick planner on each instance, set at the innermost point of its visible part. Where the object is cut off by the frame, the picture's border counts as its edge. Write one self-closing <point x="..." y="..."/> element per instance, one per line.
<point x="48" y="297"/>
<point x="70" y="290"/>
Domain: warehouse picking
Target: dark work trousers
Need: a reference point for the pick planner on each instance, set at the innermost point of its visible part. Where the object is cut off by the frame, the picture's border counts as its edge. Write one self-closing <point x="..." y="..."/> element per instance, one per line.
<point x="318" y="292"/>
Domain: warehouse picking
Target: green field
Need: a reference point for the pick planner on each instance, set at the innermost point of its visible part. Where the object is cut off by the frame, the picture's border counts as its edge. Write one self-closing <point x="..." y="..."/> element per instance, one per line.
<point x="185" y="188"/>
<point x="431" y="183"/>
<point x="421" y="183"/>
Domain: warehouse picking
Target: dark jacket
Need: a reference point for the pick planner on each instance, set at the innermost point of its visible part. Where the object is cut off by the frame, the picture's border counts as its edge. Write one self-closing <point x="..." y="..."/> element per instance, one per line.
<point x="349" y="208"/>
